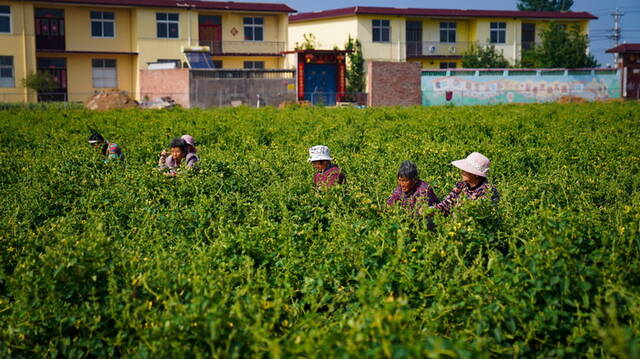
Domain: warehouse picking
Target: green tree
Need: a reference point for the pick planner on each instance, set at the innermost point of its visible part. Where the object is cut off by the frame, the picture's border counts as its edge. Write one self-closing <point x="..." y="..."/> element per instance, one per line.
<point x="477" y="57"/>
<point x="355" y="69"/>
<point x="41" y="81"/>
<point x="309" y="42"/>
<point x="544" y="5"/>
<point x="560" y="47"/>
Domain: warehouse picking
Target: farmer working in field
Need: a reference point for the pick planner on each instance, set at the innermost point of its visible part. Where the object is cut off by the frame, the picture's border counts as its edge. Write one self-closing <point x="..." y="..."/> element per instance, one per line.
<point x="411" y="192"/>
<point x="191" y="143"/>
<point x="328" y="174"/>
<point x="110" y="150"/>
<point x="180" y="157"/>
<point x="474" y="184"/>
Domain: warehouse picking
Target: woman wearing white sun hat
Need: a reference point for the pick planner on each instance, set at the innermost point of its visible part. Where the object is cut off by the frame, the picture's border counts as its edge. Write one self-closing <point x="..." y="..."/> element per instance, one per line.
<point x="328" y="174"/>
<point x="474" y="184"/>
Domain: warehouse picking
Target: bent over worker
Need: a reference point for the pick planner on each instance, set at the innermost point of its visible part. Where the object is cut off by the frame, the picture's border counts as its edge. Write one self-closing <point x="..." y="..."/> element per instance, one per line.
<point x="110" y="150"/>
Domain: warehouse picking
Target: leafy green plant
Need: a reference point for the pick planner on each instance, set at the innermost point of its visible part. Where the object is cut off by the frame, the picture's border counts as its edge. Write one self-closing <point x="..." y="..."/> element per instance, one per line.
<point x="477" y="57"/>
<point x="40" y="81"/>
<point x="245" y="258"/>
<point x="560" y="48"/>
<point x="355" y="70"/>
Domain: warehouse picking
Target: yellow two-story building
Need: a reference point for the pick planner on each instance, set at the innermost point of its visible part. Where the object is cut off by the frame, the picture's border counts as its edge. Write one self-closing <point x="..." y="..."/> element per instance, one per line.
<point x="436" y="38"/>
<point x="89" y="45"/>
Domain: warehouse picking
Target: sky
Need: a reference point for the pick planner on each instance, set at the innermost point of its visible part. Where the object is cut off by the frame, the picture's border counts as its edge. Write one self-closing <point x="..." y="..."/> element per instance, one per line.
<point x="599" y="29"/>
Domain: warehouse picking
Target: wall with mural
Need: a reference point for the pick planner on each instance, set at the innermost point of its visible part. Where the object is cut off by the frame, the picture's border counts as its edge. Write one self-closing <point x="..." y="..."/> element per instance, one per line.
<point x="474" y="87"/>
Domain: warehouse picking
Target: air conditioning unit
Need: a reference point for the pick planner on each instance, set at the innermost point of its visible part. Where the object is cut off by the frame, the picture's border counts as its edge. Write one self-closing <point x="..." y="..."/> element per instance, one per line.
<point x="433" y="49"/>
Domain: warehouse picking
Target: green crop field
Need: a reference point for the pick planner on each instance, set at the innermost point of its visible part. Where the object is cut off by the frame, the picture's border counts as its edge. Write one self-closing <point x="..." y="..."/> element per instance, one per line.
<point x="246" y="259"/>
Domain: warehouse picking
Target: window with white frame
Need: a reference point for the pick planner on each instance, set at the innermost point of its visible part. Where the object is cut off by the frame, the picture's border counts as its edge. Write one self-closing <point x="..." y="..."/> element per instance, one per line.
<point x="448" y="32"/>
<point x="5" y="19"/>
<point x="253" y="28"/>
<point x="104" y="73"/>
<point x="103" y="24"/>
<point x="254" y="64"/>
<point x="498" y="32"/>
<point x="6" y="71"/>
<point x="380" y="30"/>
<point x="167" y="25"/>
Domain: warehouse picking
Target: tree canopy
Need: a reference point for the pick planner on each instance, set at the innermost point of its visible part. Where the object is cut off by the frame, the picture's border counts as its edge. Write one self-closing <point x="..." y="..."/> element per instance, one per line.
<point x="545" y="5"/>
<point x="478" y="57"/>
<point x="560" y="47"/>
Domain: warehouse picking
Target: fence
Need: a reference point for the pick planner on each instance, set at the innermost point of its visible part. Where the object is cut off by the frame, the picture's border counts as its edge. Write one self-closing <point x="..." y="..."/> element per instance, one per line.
<point x="489" y="86"/>
<point x="241" y="87"/>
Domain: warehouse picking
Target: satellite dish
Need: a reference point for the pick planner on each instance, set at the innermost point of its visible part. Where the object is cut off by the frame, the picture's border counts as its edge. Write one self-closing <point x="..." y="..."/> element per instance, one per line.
<point x="452" y="49"/>
<point x="432" y="49"/>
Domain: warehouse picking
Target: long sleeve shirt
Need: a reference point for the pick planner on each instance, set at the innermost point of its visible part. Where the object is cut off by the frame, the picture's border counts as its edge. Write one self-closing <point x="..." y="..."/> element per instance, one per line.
<point x="462" y="189"/>
<point x="330" y="176"/>
<point x="113" y="152"/>
<point x="422" y="194"/>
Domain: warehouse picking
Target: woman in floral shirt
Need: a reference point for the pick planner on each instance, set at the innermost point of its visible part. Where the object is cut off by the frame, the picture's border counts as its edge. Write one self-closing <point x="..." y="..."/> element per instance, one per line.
<point x="474" y="184"/>
<point x="327" y="174"/>
<point x="412" y="192"/>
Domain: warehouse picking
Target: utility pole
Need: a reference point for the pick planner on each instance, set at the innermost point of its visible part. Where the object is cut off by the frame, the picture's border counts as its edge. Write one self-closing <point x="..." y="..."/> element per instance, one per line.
<point x="616" y="35"/>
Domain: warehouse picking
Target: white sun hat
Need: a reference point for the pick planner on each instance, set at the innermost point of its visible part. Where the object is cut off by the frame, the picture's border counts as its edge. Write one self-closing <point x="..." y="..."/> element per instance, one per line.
<point x="476" y="163"/>
<point x="319" y="153"/>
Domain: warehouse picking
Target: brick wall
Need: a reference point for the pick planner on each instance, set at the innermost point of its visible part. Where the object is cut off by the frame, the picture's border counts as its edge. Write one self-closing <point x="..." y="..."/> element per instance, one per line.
<point x="160" y="83"/>
<point x="393" y="84"/>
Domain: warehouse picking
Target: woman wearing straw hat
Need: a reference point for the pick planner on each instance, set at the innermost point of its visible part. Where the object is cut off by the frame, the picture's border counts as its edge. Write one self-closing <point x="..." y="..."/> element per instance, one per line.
<point x="474" y="184"/>
<point x="327" y="174"/>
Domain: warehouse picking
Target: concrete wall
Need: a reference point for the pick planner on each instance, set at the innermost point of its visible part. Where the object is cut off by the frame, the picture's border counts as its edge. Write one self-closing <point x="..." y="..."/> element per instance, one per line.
<point x="393" y="84"/>
<point x="19" y="43"/>
<point x="160" y="83"/>
<point x="528" y="86"/>
<point x="217" y="92"/>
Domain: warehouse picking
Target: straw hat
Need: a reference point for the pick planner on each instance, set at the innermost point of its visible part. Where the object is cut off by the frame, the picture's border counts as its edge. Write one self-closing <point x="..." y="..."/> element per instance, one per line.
<point x="319" y="153"/>
<point x="476" y="163"/>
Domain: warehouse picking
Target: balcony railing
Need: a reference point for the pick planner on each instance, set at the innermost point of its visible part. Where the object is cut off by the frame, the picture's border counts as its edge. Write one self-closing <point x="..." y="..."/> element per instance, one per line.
<point x="453" y="49"/>
<point x="434" y="48"/>
<point x="244" y="47"/>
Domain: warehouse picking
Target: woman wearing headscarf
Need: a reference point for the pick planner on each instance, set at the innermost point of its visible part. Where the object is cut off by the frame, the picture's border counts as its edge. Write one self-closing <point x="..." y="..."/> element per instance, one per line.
<point x="474" y="185"/>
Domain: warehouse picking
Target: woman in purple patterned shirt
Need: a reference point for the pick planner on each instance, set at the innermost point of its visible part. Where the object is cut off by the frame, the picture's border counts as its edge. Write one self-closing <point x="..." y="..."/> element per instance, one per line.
<point x="412" y="192"/>
<point x="474" y="184"/>
<point x="327" y="174"/>
<point x="180" y="158"/>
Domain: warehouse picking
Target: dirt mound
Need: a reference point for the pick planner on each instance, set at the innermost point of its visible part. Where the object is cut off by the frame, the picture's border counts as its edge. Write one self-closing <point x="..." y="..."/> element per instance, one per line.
<point x="110" y="100"/>
<point x="571" y="99"/>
